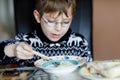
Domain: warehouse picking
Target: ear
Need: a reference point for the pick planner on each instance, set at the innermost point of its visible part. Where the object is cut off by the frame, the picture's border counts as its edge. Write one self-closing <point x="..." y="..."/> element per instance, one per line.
<point x="36" y="15"/>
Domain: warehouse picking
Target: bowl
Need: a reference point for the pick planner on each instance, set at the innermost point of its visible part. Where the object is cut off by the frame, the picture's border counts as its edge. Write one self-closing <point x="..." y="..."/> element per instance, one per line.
<point x="67" y="64"/>
<point x="101" y="70"/>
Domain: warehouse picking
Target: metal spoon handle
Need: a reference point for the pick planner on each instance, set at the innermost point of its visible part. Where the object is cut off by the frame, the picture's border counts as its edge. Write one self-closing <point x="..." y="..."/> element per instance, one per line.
<point x="41" y="55"/>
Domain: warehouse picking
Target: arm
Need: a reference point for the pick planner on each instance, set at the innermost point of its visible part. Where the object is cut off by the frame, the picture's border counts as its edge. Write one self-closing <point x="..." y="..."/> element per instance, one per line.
<point x="4" y="59"/>
<point x="15" y="50"/>
<point x="85" y="50"/>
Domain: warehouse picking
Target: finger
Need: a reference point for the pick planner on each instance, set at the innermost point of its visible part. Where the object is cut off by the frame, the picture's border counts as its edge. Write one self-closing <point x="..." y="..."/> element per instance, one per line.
<point x="23" y="51"/>
<point x="22" y="56"/>
<point x="28" y="48"/>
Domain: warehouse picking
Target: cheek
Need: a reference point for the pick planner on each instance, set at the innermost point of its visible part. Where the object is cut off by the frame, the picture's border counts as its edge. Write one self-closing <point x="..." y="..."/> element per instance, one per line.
<point x="44" y="28"/>
<point x="66" y="29"/>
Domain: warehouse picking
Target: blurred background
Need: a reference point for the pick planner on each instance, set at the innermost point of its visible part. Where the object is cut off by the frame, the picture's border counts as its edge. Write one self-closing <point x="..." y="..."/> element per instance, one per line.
<point x="7" y="28"/>
<point x="106" y="27"/>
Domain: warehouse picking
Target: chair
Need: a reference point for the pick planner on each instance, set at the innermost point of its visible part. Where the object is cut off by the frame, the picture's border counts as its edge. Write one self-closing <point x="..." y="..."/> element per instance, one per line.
<point x="82" y="21"/>
<point x="24" y="19"/>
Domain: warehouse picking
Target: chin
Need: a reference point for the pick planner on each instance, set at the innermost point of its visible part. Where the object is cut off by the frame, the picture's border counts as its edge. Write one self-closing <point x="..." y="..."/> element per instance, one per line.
<point x="54" y="40"/>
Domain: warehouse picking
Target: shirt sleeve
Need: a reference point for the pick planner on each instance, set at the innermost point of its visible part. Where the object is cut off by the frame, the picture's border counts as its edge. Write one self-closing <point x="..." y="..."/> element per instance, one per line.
<point x="85" y="50"/>
<point x="4" y="59"/>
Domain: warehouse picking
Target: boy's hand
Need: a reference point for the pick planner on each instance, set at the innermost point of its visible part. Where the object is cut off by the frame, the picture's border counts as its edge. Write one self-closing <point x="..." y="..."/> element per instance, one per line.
<point x="24" y="51"/>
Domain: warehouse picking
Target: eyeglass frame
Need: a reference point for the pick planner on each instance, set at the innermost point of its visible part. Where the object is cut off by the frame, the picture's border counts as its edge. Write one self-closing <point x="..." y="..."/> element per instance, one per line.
<point x="55" y="22"/>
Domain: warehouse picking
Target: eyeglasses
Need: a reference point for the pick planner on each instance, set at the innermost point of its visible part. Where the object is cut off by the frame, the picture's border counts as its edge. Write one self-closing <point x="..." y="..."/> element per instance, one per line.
<point x="54" y="23"/>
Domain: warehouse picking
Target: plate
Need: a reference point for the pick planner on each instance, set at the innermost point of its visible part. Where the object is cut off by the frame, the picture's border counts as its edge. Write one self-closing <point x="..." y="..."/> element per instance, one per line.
<point x="101" y="70"/>
<point x="67" y="64"/>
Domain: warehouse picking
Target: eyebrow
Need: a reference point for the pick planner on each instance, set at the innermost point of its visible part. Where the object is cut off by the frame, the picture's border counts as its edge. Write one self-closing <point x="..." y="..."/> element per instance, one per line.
<point x="54" y="17"/>
<point x="47" y="17"/>
<point x="50" y="16"/>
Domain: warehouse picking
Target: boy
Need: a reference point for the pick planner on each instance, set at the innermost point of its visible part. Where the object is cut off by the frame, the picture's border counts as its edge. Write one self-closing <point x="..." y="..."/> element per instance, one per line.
<point x="53" y="38"/>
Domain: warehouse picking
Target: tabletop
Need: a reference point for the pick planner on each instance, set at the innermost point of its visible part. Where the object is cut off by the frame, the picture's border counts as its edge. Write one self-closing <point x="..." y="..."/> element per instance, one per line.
<point x="34" y="73"/>
<point x="23" y="73"/>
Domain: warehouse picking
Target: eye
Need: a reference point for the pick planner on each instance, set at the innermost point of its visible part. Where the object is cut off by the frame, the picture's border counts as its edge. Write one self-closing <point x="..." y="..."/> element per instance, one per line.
<point x="51" y="21"/>
<point x="66" y="22"/>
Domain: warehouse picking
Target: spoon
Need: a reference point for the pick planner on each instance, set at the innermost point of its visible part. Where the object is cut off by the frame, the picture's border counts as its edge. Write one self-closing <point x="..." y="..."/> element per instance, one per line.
<point x="46" y="58"/>
<point x="41" y="55"/>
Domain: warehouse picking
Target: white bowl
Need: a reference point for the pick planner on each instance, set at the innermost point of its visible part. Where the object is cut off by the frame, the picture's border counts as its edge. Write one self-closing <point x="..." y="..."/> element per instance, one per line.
<point x="97" y="70"/>
<point x="70" y="64"/>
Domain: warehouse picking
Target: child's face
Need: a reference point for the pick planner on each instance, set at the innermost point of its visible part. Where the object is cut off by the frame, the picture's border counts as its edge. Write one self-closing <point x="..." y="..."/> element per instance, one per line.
<point x="55" y="26"/>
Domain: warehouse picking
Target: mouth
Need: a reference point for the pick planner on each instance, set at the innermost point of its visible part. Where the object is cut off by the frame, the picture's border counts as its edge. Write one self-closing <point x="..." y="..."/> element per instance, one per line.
<point x="55" y="35"/>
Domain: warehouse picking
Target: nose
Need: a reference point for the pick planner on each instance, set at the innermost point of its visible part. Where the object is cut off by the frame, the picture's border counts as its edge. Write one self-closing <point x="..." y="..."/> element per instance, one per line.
<point x="58" y="27"/>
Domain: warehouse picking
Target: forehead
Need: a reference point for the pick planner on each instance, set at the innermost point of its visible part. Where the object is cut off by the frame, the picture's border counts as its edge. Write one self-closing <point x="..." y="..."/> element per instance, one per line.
<point x="57" y="14"/>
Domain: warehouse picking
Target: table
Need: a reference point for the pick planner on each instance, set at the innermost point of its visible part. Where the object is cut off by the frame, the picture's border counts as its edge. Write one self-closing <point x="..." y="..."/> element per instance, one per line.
<point x="24" y="73"/>
<point x="34" y="73"/>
